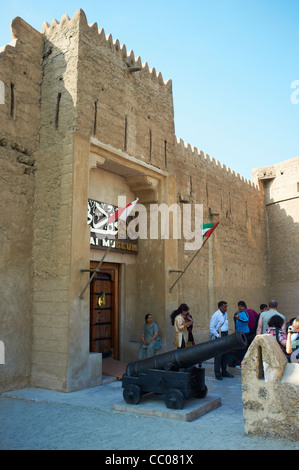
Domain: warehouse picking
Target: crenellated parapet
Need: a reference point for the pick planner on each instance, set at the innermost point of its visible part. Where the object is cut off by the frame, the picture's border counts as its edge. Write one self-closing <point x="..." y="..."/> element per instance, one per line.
<point x="4" y="50"/>
<point x="22" y="34"/>
<point x="131" y="63"/>
<point x="191" y="151"/>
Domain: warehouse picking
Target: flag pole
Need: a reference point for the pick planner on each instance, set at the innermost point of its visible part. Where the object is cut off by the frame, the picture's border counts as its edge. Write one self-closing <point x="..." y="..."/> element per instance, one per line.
<point x="183" y="272"/>
<point x="96" y="270"/>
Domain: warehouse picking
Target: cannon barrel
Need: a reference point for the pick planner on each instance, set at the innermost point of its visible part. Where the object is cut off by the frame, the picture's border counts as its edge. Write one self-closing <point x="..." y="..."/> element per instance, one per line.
<point x="187" y="357"/>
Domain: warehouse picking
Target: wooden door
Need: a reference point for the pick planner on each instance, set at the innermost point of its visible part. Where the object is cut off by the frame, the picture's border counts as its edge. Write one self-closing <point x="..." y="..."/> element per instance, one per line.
<point x="104" y="311"/>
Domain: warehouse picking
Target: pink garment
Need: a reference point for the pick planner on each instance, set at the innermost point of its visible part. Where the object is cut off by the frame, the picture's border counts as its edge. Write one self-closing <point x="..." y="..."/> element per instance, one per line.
<point x="252" y="317"/>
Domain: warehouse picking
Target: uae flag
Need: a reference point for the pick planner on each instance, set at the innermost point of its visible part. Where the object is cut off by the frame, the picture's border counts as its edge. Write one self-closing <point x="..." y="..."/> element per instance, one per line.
<point x="208" y="229"/>
<point x="123" y="213"/>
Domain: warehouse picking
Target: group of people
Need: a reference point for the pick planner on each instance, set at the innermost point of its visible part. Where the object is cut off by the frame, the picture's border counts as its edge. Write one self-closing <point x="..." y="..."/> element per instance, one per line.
<point x="268" y="321"/>
<point x="246" y="320"/>
<point x="251" y="323"/>
<point x="182" y="321"/>
<point x="272" y="322"/>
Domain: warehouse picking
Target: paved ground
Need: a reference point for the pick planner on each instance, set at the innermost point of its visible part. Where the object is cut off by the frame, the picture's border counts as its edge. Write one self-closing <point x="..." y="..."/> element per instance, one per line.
<point x="38" y="419"/>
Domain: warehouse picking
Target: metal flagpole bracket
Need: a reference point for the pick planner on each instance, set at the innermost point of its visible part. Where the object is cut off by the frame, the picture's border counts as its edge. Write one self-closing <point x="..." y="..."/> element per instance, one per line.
<point x="94" y="271"/>
<point x="183" y="272"/>
<point x="82" y="270"/>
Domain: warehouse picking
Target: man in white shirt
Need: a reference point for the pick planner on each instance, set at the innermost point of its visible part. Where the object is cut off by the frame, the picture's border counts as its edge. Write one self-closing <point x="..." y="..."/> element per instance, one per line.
<point x="218" y="328"/>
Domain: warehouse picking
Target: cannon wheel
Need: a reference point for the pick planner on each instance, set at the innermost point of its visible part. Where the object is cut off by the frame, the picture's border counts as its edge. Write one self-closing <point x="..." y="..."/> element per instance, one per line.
<point x="132" y="394"/>
<point x="174" y="399"/>
<point x="202" y="393"/>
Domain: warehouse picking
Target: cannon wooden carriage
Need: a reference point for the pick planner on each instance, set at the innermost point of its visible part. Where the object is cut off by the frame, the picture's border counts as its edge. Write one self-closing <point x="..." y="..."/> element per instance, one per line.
<point x="177" y="375"/>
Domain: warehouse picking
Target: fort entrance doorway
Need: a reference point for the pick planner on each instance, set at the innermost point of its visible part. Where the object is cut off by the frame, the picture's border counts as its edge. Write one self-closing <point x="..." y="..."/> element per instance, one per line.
<point x="104" y="310"/>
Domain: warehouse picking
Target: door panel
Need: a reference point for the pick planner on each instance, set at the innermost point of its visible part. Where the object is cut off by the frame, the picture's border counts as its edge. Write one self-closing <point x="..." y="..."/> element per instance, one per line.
<point x="104" y="291"/>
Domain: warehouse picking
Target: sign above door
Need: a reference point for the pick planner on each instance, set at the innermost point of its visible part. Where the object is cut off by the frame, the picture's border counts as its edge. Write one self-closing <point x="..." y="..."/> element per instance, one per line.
<point x="104" y="234"/>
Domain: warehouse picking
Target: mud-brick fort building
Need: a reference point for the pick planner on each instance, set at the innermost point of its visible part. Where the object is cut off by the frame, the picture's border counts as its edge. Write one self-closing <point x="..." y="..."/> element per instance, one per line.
<point x="82" y="121"/>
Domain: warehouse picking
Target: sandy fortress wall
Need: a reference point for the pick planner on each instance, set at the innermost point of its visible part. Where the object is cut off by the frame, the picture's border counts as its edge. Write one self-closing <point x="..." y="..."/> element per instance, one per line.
<point x="21" y="75"/>
<point x="98" y="120"/>
<point x="233" y="267"/>
<point x="280" y="184"/>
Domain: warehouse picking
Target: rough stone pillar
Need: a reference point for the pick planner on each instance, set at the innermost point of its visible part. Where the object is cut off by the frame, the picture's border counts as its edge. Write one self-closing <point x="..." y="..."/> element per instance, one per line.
<point x="270" y="391"/>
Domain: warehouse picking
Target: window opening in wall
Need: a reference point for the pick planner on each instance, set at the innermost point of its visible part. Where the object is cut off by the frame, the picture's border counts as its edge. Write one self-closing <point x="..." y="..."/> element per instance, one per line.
<point x="12" y="100"/>
<point x="95" y="117"/>
<point x="2" y="97"/>
<point x="126" y="131"/>
<point x="57" y="111"/>
<point x="150" y="146"/>
<point x="165" y="152"/>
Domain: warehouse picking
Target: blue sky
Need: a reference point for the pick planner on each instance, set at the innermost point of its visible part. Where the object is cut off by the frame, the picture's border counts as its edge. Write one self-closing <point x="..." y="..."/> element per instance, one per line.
<point x="232" y="64"/>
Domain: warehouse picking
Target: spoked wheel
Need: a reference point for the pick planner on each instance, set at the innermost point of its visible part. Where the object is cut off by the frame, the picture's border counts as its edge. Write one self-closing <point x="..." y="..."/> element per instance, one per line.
<point x="132" y="394"/>
<point x="174" y="399"/>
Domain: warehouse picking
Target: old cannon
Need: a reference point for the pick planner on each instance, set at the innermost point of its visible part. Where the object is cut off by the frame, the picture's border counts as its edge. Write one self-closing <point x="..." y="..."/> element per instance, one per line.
<point x="177" y="375"/>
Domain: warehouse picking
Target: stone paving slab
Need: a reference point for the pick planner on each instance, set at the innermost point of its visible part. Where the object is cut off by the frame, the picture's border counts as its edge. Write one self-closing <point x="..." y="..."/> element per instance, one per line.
<point x="38" y="419"/>
<point x="154" y="405"/>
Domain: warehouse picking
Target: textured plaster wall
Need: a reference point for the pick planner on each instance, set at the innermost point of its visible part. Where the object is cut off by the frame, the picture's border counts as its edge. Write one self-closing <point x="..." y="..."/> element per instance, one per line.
<point x="232" y="265"/>
<point x="20" y="75"/>
<point x="53" y="212"/>
<point x="60" y="352"/>
<point x="131" y="111"/>
<point x="281" y="186"/>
